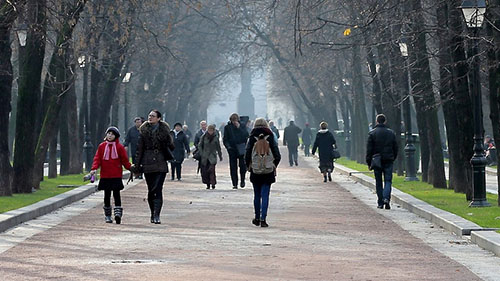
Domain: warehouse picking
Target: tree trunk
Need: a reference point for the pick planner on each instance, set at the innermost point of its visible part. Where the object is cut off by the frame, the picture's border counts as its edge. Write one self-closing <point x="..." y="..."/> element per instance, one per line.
<point x="75" y="149"/>
<point x="5" y="102"/>
<point x="360" y="119"/>
<point x="425" y="102"/>
<point x="30" y="70"/>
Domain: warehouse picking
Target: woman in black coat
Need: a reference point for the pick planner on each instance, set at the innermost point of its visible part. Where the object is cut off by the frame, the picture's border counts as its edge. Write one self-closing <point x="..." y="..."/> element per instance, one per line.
<point x="261" y="181"/>
<point x="181" y="144"/>
<point x="325" y="142"/>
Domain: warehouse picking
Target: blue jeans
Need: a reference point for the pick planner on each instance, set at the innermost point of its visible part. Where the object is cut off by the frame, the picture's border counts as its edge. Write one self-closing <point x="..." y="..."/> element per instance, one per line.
<point x="261" y="200"/>
<point x="383" y="191"/>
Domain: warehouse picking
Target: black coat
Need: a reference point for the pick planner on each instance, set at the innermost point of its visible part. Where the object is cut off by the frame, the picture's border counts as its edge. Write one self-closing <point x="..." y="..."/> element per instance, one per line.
<point x="132" y="138"/>
<point x="291" y="136"/>
<point x="262" y="178"/>
<point x="153" y="146"/>
<point x="381" y="140"/>
<point x="198" y="136"/>
<point x="234" y="136"/>
<point x="324" y="142"/>
<point x="181" y="144"/>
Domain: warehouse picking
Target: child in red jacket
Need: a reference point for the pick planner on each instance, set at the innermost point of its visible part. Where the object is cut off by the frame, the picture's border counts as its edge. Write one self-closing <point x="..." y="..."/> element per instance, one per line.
<point x="110" y="156"/>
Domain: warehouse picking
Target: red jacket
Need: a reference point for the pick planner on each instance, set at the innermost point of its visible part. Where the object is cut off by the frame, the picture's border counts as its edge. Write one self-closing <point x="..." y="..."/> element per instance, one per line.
<point x="111" y="168"/>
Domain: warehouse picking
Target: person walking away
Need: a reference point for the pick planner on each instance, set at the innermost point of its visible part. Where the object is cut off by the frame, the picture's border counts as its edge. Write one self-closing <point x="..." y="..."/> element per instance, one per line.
<point x="153" y="152"/>
<point x="201" y="132"/>
<point x="382" y="143"/>
<point x="262" y="156"/>
<point x="110" y="157"/>
<point x="291" y="140"/>
<point x="180" y="151"/>
<point x="325" y="142"/>
<point x="274" y="130"/>
<point x="234" y="139"/>
<point x="209" y="147"/>
<point x="306" y="139"/>
<point x="132" y="138"/>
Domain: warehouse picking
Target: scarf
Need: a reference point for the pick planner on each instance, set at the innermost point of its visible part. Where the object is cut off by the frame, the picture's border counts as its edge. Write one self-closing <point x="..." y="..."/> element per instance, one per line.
<point x="113" y="152"/>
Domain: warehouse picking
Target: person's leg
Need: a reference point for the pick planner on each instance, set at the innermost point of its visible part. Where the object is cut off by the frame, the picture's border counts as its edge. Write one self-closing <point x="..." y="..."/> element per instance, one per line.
<point x="296" y="156"/>
<point x="178" y="171"/>
<point x="379" y="187"/>
<point x="172" y="172"/>
<point x="118" y="206"/>
<point x="233" y="168"/>
<point x="265" y="190"/>
<point x="290" y="155"/>
<point x="387" y="183"/>
<point x="212" y="176"/>
<point x="158" y="196"/>
<point x="243" y="169"/>
<point x="107" y="206"/>
<point x="150" y="179"/>
<point x="324" y="176"/>
<point x="306" y="149"/>
<point x="257" y="196"/>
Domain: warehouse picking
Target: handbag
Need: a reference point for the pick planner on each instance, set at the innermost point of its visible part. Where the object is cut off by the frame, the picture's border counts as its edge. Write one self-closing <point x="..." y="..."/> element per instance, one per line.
<point x="335" y="153"/>
<point x="376" y="162"/>
<point x="197" y="155"/>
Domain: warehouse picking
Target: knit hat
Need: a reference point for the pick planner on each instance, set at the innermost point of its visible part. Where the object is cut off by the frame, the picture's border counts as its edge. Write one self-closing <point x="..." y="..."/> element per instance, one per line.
<point x="178" y="124"/>
<point x="115" y="131"/>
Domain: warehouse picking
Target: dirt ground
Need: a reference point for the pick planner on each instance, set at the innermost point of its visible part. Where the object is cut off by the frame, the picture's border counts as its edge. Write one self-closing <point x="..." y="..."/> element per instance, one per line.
<point x="318" y="231"/>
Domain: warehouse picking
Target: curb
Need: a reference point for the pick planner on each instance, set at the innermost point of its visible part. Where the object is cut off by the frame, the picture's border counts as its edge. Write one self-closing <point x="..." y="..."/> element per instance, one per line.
<point x="488" y="170"/>
<point x="12" y="218"/>
<point x="488" y="240"/>
<point x="485" y="238"/>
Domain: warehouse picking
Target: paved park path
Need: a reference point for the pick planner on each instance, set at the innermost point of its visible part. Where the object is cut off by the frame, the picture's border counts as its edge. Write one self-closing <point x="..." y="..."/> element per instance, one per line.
<point x="317" y="231"/>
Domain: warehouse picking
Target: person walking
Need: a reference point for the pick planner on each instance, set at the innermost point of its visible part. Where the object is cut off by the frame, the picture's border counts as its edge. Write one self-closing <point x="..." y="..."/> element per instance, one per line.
<point x="306" y="139"/>
<point x="201" y="132"/>
<point x="382" y="144"/>
<point x="180" y="151"/>
<point x="187" y="132"/>
<point x="153" y="152"/>
<point x="235" y="138"/>
<point x="325" y="142"/>
<point x="274" y="129"/>
<point x="209" y="147"/>
<point x="110" y="157"/>
<point x="262" y="156"/>
<point x="291" y="140"/>
<point x="132" y="138"/>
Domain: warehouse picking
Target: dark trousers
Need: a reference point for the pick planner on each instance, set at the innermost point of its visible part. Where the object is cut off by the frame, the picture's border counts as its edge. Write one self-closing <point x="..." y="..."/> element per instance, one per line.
<point x="383" y="187"/>
<point x="261" y="200"/>
<point x="306" y="149"/>
<point x="155" y="188"/>
<point x="116" y="196"/>
<point x="176" y="169"/>
<point x="208" y="174"/>
<point x="293" y="154"/>
<point x="233" y="167"/>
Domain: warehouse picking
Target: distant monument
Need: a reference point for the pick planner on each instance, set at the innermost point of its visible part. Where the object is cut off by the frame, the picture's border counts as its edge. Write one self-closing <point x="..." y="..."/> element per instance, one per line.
<point x="246" y="101"/>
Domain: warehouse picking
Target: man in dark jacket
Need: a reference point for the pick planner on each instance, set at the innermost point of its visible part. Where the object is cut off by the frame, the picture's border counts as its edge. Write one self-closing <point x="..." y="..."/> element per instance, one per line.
<point x="235" y="139"/>
<point x="274" y="129"/>
<point x="291" y="140"/>
<point x="181" y="149"/>
<point x="200" y="133"/>
<point x="382" y="141"/>
<point x="132" y="138"/>
<point x="306" y="139"/>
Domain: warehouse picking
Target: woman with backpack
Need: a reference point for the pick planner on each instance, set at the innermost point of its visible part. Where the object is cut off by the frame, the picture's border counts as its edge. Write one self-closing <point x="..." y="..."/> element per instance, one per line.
<point x="262" y="157"/>
<point x="325" y="141"/>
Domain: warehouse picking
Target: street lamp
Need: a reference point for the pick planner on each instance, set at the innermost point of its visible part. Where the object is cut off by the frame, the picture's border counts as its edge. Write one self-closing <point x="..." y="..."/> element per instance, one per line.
<point x="411" y="171"/>
<point x="473" y="11"/>
<point x="126" y="80"/>
<point x="22" y="34"/>
<point x="347" y="128"/>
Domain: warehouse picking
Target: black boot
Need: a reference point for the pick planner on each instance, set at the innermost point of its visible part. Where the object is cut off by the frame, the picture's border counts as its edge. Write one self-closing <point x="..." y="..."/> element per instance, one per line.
<point x="118" y="214"/>
<point x="152" y="209"/>
<point x="157" y="211"/>
<point x="329" y="176"/>
<point x="324" y="178"/>
<point x="208" y="186"/>
<point x="107" y="214"/>
<point x="256" y="221"/>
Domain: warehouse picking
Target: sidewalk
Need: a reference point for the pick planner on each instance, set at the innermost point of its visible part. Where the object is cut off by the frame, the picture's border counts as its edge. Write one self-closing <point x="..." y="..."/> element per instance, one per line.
<point x="317" y="231"/>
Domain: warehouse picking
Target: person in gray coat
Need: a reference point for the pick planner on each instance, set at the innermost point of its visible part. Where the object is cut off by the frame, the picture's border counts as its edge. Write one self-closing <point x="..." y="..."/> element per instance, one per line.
<point x="291" y="140"/>
<point x="209" y="147"/>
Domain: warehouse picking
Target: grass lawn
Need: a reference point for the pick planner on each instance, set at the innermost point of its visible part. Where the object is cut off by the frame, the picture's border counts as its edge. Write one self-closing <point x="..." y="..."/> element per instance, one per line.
<point x="48" y="188"/>
<point x="444" y="199"/>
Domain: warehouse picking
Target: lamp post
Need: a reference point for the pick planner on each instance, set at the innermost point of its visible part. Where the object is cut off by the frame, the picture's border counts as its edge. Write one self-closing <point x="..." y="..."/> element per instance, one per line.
<point x="89" y="149"/>
<point x="411" y="173"/>
<point x="126" y="80"/>
<point x="347" y="127"/>
<point x="87" y="145"/>
<point x="473" y="11"/>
